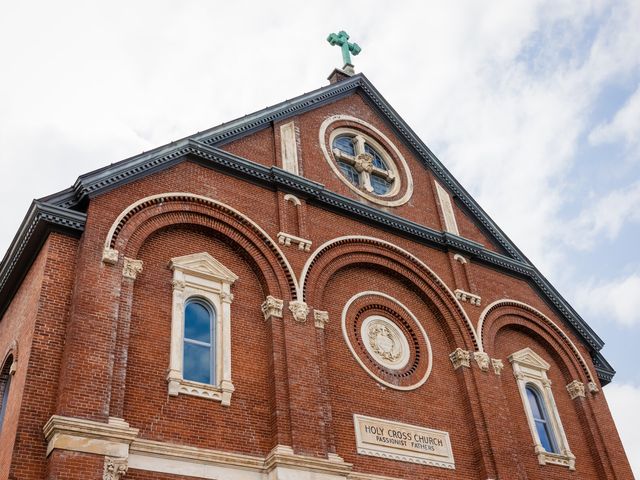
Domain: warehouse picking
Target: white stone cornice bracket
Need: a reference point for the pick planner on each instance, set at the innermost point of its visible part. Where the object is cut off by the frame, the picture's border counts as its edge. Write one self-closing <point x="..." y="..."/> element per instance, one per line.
<point x="287" y="239"/>
<point x="110" y="256"/>
<point x="468" y="297"/>
<point x="115" y="468"/>
<point x="460" y="358"/>
<point x="300" y="310"/>
<point x="497" y="365"/>
<point x="272" y="307"/>
<point x="576" y="389"/>
<point x="79" y="435"/>
<point x="282" y="462"/>
<point x="321" y="318"/>
<point x="131" y="268"/>
<point x="482" y="359"/>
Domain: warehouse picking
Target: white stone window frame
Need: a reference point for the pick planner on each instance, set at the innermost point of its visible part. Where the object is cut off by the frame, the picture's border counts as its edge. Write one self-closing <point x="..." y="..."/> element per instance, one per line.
<point x="396" y="162"/>
<point x="531" y="369"/>
<point x="200" y="276"/>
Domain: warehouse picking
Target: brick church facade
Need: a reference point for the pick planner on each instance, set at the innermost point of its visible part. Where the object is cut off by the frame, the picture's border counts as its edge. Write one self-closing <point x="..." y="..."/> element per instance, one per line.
<point x="304" y="293"/>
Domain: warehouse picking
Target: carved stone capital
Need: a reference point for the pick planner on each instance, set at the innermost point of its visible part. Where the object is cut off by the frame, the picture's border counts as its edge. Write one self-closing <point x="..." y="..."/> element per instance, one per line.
<point x="226" y="297"/>
<point x="110" y="255"/>
<point x="320" y="317"/>
<point x="272" y="307"/>
<point x="131" y="268"/>
<point x="498" y="365"/>
<point x="593" y="388"/>
<point x="114" y="468"/>
<point x="482" y="359"/>
<point x="576" y="389"/>
<point x="178" y="284"/>
<point x="460" y="358"/>
<point x="300" y="310"/>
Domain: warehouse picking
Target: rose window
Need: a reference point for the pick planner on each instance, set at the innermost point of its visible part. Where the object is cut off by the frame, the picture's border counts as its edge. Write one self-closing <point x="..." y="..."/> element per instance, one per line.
<point x="387" y="340"/>
<point x="362" y="164"/>
<point x="365" y="160"/>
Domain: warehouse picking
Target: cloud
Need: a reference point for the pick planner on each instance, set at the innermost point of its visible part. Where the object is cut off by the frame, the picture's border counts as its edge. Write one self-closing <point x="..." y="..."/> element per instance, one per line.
<point x="624" y="127"/>
<point x="605" y="217"/>
<point x="623" y="402"/>
<point x="617" y="300"/>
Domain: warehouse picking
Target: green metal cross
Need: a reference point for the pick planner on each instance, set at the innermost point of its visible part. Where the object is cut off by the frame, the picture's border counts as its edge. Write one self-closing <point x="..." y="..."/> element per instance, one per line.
<point x="341" y="39"/>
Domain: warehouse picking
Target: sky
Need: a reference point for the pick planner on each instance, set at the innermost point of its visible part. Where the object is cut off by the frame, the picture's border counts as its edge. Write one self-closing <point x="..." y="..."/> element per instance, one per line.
<point x="534" y="106"/>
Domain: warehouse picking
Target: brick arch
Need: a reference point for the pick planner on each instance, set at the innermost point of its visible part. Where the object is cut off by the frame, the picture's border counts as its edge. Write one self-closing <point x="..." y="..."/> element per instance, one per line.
<point x="346" y="251"/>
<point x="503" y="313"/>
<point x="11" y="352"/>
<point x="150" y="214"/>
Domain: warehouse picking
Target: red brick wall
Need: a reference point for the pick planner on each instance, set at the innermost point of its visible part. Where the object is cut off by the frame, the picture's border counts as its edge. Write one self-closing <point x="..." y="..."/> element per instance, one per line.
<point x="241" y="427"/>
<point x="36" y="319"/>
<point x="17" y="324"/>
<point x="295" y="384"/>
<point x="64" y="465"/>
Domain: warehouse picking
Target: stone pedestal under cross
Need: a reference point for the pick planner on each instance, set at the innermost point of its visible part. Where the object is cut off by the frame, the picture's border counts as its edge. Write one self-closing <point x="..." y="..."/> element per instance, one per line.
<point x="342" y="40"/>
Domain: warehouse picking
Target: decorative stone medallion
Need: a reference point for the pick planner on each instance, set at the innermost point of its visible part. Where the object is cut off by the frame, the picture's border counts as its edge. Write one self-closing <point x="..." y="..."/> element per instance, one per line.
<point x="387" y="340"/>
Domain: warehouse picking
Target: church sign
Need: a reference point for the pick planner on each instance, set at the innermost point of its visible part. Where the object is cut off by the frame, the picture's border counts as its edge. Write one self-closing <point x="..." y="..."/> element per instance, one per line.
<point x="399" y="441"/>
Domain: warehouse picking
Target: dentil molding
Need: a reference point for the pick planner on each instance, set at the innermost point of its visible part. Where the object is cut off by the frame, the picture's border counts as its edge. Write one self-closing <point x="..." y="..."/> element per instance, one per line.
<point x="287" y="240"/>
<point x="468" y="297"/>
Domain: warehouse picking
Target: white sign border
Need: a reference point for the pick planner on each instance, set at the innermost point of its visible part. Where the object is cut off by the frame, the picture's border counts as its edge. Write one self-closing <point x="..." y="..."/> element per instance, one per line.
<point x="393" y="453"/>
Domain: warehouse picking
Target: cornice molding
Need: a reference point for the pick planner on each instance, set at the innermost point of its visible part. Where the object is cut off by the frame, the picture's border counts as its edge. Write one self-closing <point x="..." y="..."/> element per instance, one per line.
<point x="41" y="219"/>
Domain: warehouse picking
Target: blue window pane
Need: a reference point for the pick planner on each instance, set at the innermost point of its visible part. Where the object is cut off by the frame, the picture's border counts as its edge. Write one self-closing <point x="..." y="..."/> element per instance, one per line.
<point x="197" y="363"/>
<point x="380" y="185"/>
<point x="197" y="322"/>
<point x="534" y="404"/>
<point x="541" y="420"/>
<point x="545" y="437"/>
<point x="377" y="159"/>
<point x="345" y="145"/>
<point x="350" y="173"/>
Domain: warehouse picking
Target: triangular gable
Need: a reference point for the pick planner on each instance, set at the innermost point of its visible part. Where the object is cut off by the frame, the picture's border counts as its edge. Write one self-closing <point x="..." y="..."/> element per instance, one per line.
<point x="529" y="358"/>
<point x="203" y="265"/>
<point x="202" y="148"/>
<point x="104" y="179"/>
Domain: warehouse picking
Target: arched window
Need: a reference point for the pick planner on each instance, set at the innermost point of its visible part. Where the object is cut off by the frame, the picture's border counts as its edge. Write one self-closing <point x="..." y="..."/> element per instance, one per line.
<point x="5" y="383"/>
<point x="541" y="419"/>
<point x="199" y="333"/>
<point x="541" y="414"/>
<point x="200" y="347"/>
